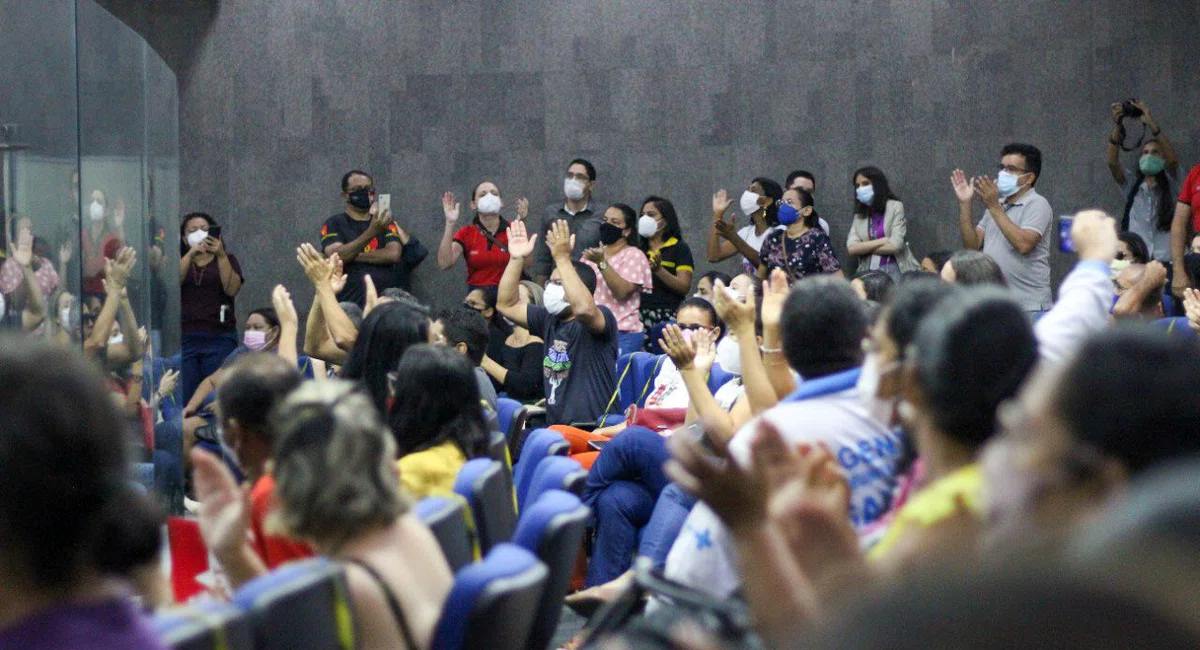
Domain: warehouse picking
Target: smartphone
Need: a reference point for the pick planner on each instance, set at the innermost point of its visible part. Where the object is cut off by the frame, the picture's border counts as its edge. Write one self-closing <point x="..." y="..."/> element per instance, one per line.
<point x="385" y="202"/>
<point x="1065" y="243"/>
<point x="215" y="232"/>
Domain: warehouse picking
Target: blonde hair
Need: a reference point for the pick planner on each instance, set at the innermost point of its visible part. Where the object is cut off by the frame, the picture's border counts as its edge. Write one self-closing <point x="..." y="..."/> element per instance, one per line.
<point x="334" y="465"/>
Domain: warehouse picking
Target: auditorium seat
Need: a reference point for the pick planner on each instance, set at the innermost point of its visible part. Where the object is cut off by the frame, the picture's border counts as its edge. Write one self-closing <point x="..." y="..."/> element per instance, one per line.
<point x="448" y="519"/>
<point x="552" y="528"/>
<point x="481" y="482"/>
<point x="210" y="626"/>
<point x="303" y="604"/>
<point x="556" y="473"/>
<point x="492" y="603"/>
<point x="540" y="444"/>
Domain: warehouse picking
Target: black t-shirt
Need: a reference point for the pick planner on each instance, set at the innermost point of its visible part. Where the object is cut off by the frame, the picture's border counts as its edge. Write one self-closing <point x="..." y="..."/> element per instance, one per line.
<point x="676" y="258"/>
<point x="341" y="229"/>
<point x="579" y="368"/>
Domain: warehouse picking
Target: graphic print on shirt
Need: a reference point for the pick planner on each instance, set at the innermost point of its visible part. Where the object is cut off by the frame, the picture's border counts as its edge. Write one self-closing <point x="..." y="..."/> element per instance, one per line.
<point x="555" y="367"/>
<point x="866" y="464"/>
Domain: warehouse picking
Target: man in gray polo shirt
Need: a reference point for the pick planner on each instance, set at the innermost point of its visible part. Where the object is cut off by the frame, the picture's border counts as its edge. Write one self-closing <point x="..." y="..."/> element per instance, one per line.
<point x="1013" y="228"/>
<point x="581" y="213"/>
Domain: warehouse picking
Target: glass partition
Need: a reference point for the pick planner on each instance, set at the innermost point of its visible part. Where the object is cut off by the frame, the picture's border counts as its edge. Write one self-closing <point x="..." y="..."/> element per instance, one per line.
<point x="89" y="200"/>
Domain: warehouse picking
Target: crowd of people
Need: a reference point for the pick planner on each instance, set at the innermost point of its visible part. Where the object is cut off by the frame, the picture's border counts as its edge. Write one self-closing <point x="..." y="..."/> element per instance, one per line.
<point x="815" y="447"/>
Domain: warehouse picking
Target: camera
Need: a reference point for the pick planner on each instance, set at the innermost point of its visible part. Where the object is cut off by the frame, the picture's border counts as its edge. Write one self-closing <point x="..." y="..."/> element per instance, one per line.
<point x="1129" y="109"/>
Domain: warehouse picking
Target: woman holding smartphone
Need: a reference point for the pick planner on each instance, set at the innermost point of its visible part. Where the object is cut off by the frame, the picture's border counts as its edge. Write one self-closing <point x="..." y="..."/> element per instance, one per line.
<point x="209" y="279"/>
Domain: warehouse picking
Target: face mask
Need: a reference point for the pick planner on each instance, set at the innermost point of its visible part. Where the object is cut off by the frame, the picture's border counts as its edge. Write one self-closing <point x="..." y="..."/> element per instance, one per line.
<point x="688" y="335"/>
<point x="749" y="203"/>
<point x="881" y="410"/>
<point x="729" y="357"/>
<point x="196" y="237"/>
<point x="555" y="299"/>
<point x="1151" y="164"/>
<point x="96" y="211"/>
<point x="787" y="215"/>
<point x="64" y="317"/>
<point x="489" y="204"/>
<point x="573" y="188"/>
<point x="360" y="199"/>
<point x="1117" y="266"/>
<point x="609" y="234"/>
<point x="254" y="340"/>
<point x="647" y="226"/>
<point x="117" y="340"/>
<point x="1006" y="182"/>
<point x="865" y="194"/>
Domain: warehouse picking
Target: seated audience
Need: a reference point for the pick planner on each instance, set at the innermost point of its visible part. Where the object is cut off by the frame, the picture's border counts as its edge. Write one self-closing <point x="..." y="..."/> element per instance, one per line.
<point x="76" y="535"/>
<point x="389" y="330"/>
<point x="517" y="370"/>
<point x="483" y="300"/>
<point x="580" y="337"/>
<point x="1139" y="289"/>
<point x="704" y="286"/>
<point x="1131" y="248"/>
<point x="935" y="261"/>
<point x="436" y="431"/>
<point x="970" y="268"/>
<point x="873" y="286"/>
<point x="465" y="331"/>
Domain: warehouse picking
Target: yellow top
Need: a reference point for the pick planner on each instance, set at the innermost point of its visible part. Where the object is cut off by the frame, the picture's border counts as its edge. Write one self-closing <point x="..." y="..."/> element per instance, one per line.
<point x="431" y="473"/>
<point x="933" y="504"/>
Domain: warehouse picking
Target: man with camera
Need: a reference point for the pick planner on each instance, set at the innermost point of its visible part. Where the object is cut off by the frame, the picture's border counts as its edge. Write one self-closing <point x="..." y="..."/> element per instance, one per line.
<point x="1149" y="188"/>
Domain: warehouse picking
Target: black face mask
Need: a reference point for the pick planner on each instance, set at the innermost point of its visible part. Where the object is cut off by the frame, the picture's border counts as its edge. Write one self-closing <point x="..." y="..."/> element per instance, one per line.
<point x="360" y="199"/>
<point x="609" y="234"/>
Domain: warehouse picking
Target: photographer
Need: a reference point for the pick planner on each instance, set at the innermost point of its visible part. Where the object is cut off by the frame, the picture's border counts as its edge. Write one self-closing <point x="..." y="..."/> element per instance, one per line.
<point x="1149" y="188"/>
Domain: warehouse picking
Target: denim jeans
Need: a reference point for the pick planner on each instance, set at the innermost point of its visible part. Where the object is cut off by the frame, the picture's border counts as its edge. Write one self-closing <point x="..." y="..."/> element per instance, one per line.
<point x="203" y="355"/>
<point x="630" y="342"/>
<point x="622" y="489"/>
<point x="670" y="511"/>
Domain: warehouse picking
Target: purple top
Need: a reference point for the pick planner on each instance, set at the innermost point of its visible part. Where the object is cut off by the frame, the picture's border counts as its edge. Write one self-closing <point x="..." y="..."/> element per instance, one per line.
<point x="875" y="230"/>
<point x="110" y="625"/>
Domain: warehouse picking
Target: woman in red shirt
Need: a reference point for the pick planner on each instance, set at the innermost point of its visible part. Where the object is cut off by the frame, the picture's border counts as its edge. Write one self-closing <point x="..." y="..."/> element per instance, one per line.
<point x="484" y="242"/>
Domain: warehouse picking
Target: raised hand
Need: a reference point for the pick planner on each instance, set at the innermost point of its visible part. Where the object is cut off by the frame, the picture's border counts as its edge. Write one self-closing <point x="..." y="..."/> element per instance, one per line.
<point x="594" y="255"/>
<point x="1117" y="112"/>
<point x="224" y="515"/>
<point x="706" y="350"/>
<point x="559" y="239"/>
<point x="64" y="252"/>
<point x="338" y="277"/>
<point x="522" y="208"/>
<point x="1095" y="235"/>
<point x="117" y="271"/>
<point x="986" y="188"/>
<point x="520" y="244"/>
<point x="168" y="382"/>
<point x="314" y="265"/>
<point x="372" y="299"/>
<point x="381" y="220"/>
<point x="739" y="316"/>
<point x="1146" y="117"/>
<point x="962" y="187"/>
<point x="720" y="204"/>
<point x="22" y="253"/>
<point x="681" y="351"/>
<point x="775" y="292"/>
<point x="1191" y="306"/>
<point x="450" y="208"/>
<point x="285" y="309"/>
<point x="738" y="495"/>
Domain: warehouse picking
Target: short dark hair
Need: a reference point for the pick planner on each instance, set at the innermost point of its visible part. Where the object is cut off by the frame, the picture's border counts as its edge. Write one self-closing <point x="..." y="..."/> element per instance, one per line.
<point x="939" y="258"/>
<point x="883" y="191"/>
<point x="252" y="386"/>
<point x="715" y="276"/>
<point x="1137" y="247"/>
<point x="706" y="307"/>
<point x="877" y="284"/>
<point x="354" y="172"/>
<point x="591" y="169"/>
<point x="823" y="327"/>
<point x="911" y="303"/>
<point x="461" y="324"/>
<point x="971" y="356"/>
<point x="801" y="173"/>
<point x="773" y="191"/>
<point x="1032" y="155"/>
<point x="974" y="268"/>
<point x="1093" y="399"/>
<point x="437" y="400"/>
<point x="268" y="314"/>
<point x="212" y="223"/>
<point x="586" y="275"/>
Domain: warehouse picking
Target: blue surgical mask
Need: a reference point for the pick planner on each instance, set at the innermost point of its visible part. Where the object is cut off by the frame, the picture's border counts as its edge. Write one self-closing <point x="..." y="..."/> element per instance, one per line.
<point x="865" y="194"/>
<point x="787" y="215"/>
<point x="1006" y="182"/>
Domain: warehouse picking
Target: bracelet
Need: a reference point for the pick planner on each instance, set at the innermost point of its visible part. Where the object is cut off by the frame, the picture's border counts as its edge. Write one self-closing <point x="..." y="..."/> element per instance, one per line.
<point x="766" y="350"/>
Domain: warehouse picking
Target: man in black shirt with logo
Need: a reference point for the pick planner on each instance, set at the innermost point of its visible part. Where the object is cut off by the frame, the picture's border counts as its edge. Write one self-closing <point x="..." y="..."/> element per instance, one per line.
<point x="369" y="241"/>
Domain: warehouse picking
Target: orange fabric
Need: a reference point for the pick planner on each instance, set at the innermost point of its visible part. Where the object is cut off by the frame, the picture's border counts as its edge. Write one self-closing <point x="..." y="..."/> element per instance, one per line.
<point x="273" y="550"/>
<point x="586" y="460"/>
<point x="577" y="438"/>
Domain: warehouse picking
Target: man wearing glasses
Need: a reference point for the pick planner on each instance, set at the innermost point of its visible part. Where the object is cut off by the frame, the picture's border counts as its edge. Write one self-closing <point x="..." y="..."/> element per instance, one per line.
<point x="1013" y="227"/>
<point x="582" y="215"/>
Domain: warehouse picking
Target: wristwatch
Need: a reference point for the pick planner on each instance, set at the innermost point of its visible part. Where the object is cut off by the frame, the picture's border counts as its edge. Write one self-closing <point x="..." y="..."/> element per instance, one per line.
<point x="603" y="265"/>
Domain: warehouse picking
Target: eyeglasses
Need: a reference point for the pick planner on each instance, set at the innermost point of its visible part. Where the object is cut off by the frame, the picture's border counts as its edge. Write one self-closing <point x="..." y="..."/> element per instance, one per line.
<point x="1010" y="169"/>
<point x="579" y="177"/>
<point x="692" y="327"/>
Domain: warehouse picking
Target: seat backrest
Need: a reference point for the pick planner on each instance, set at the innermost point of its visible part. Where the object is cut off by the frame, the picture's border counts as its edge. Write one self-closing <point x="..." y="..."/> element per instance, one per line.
<point x="492" y="603"/>
<point x="303" y="604"/>
<point x="506" y="411"/>
<point x="718" y="377"/>
<point x="447" y="518"/>
<point x="481" y="482"/>
<point x="540" y="444"/>
<point x="552" y="528"/>
<point x="211" y="626"/>
<point x="645" y="367"/>
<point x="556" y="473"/>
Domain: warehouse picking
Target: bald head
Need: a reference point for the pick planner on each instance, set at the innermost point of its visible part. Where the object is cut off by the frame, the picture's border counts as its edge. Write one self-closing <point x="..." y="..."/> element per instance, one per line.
<point x="251" y="388"/>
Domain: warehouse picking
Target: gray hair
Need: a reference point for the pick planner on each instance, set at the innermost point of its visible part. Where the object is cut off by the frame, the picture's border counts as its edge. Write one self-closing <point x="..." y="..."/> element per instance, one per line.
<point x="335" y="473"/>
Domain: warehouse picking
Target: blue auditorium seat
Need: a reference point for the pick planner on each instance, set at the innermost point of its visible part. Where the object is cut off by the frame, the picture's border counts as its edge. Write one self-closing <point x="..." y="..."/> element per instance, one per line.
<point x="540" y="444"/>
<point x="556" y="473"/>
<point x="552" y="528"/>
<point x="303" y="604"/>
<point x="482" y="483"/>
<point x="447" y="518"/>
<point x="509" y="412"/>
<point x="492" y="603"/>
<point x="211" y="626"/>
<point x="718" y="377"/>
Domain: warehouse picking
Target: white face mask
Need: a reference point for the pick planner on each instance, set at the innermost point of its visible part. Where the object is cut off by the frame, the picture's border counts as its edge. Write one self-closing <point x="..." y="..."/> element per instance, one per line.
<point x="116" y="340"/>
<point x="647" y="226"/>
<point x="749" y="203"/>
<point x="64" y="317"/>
<point x="96" y="211"/>
<point x="573" y="188"/>
<point x="555" y="299"/>
<point x="197" y="237"/>
<point x="882" y="410"/>
<point x="489" y="204"/>
<point x="729" y="357"/>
